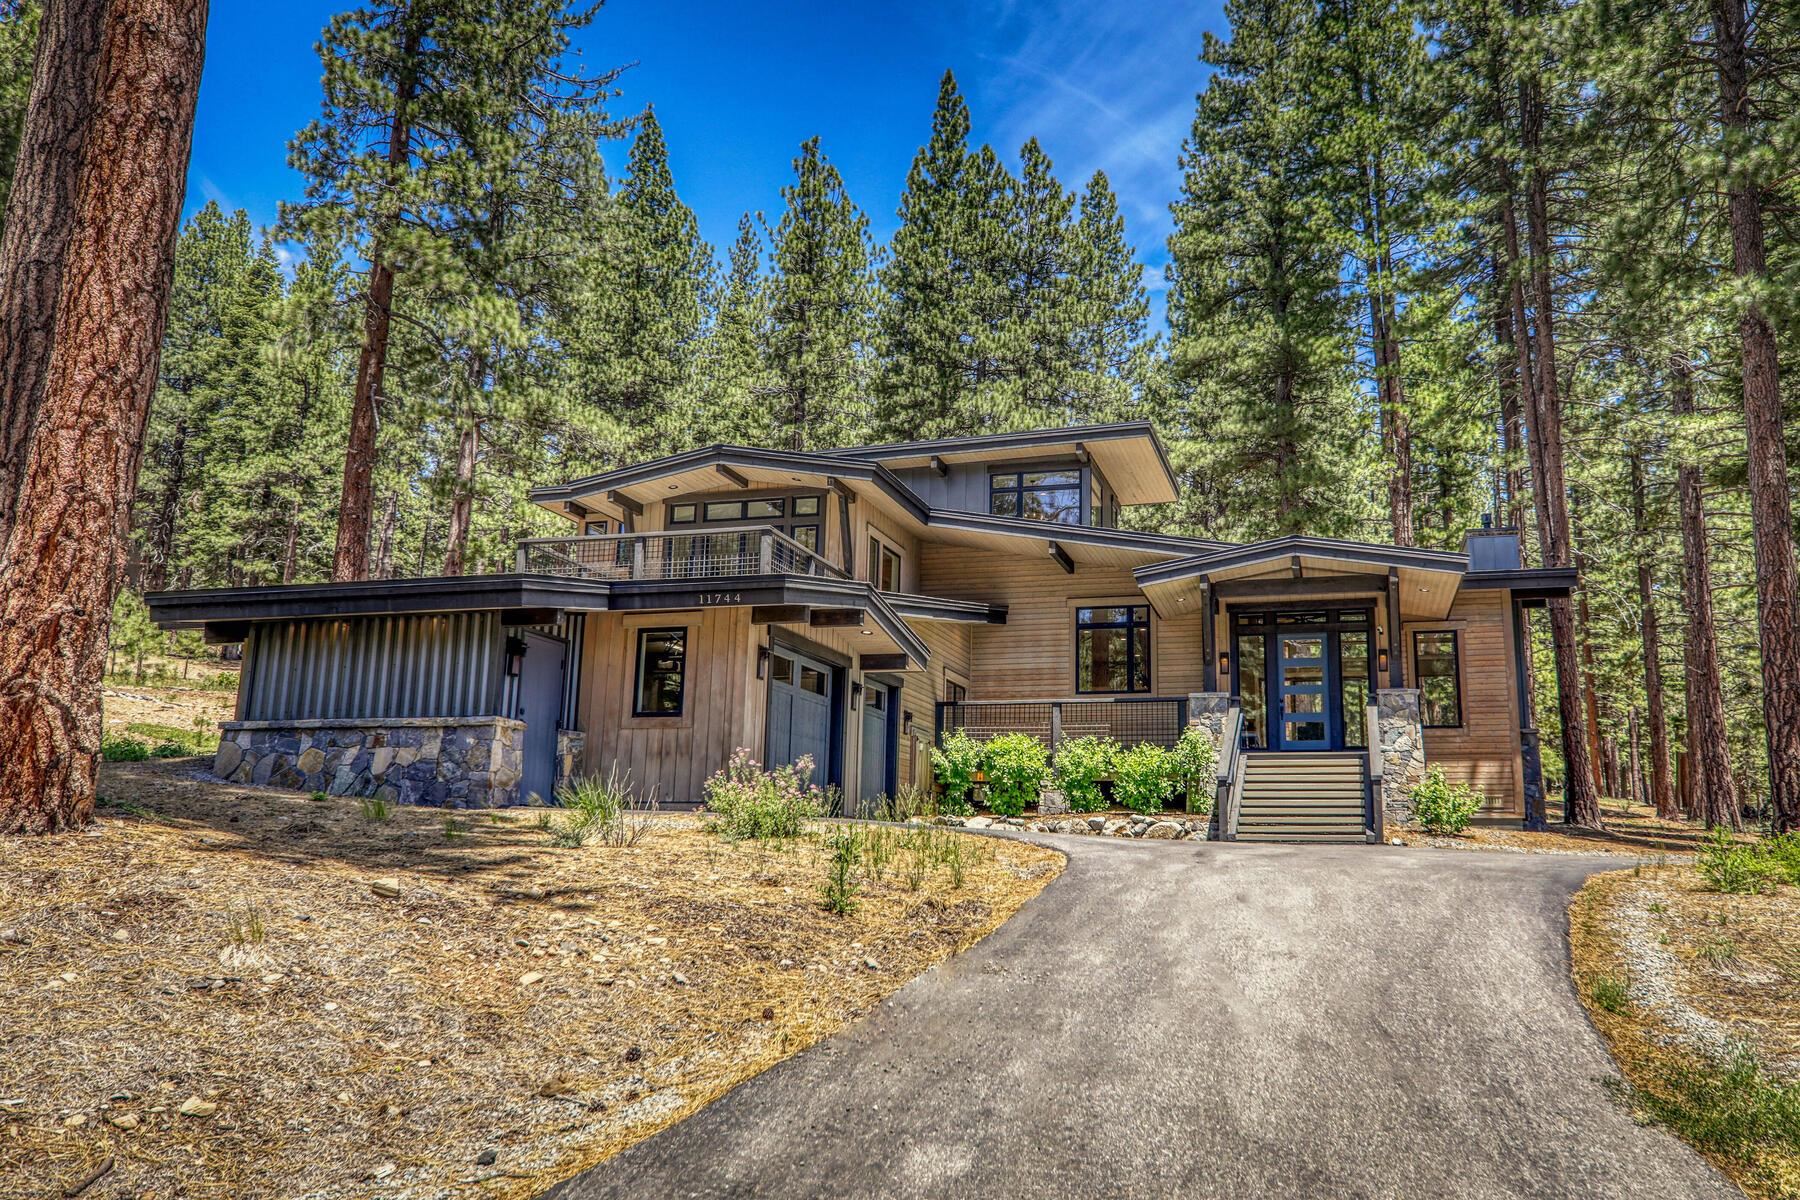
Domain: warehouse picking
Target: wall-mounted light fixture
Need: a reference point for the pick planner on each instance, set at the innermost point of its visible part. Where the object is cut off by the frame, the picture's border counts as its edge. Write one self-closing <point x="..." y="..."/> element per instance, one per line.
<point x="515" y="656"/>
<point x="1381" y="661"/>
<point x="762" y="662"/>
<point x="856" y="690"/>
<point x="906" y="723"/>
<point x="1224" y="666"/>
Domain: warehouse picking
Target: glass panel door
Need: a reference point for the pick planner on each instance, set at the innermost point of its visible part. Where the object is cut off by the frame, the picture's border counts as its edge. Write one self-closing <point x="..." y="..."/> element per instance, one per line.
<point x="1301" y="691"/>
<point x="1253" y="688"/>
<point x="1353" y="686"/>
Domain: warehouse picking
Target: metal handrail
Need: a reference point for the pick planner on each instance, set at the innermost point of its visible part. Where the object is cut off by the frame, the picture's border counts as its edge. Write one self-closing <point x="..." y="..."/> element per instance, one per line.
<point x="1376" y="823"/>
<point x="674" y="554"/>
<point x="1229" y="783"/>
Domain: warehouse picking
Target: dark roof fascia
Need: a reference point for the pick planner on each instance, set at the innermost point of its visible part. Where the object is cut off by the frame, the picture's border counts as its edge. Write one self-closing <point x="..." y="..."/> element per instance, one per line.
<point x="1085" y="535"/>
<point x="1355" y="552"/>
<point x="938" y="608"/>
<point x="1526" y="582"/>
<point x="739" y="456"/>
<point x="1023" y="439"/>
<point x="384" y="597"/>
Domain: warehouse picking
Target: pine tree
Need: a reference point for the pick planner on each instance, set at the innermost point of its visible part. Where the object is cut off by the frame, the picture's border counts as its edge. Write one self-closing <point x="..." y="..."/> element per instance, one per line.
<point x="820" y="296"/>
<point x="1036" y="338"/>
<point x="1265" y="411"/>
<point x="18" y="39"/>
<point x="1111" y="308"/>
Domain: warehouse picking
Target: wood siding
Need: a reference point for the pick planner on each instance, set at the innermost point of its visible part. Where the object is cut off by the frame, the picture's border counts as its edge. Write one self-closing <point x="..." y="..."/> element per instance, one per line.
<point x="1484" y="751"/>
<point x="1032" y="656"/>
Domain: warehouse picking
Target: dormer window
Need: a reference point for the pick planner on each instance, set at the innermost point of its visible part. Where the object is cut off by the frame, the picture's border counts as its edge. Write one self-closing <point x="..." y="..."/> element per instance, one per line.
<point x="1053" y="495"/>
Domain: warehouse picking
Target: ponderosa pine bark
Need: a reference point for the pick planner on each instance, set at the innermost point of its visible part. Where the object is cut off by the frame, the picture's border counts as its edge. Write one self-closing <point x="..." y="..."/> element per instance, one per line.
<point x="1771" y="512"/>
<point x="356" y="507"/>
<point x="1709" y="755"/>
<point x="1662" y="790"/>
<point x="79" y="371"/>
<point x="1581" y="798"/>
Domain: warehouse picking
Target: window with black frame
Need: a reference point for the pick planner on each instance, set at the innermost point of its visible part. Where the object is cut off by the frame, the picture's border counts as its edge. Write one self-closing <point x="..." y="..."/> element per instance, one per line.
<point x="1053" y="495"/>
<point x="1112" y="649"/>
<point x="1439" y="678"/>
<point x="661" y="672"/>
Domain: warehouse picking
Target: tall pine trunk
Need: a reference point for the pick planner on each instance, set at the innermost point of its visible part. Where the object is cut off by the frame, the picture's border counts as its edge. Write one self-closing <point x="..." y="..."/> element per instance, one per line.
<point x="462" y="495"/>
<point x="1709" y="754"/>
<point x="356" y="507"/>
<point x="1662" y="790"/>
<point x="79" y="371"/>
<point x="1771" y="515"/>
<point x="1580" y="797"/>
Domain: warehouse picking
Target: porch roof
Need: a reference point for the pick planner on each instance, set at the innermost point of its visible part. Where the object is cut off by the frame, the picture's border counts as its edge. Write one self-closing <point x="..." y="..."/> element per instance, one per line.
<point x="225" y="614"/>
<point x="1426" y="580"/>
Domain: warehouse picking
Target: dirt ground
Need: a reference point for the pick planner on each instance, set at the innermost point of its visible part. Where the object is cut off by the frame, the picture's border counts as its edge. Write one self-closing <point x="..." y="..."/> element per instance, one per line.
<point x="1696" y="974"/>
<point x="189" y="696"/>
<point x="221" y="991"/>
<point x="1632" y="829"/>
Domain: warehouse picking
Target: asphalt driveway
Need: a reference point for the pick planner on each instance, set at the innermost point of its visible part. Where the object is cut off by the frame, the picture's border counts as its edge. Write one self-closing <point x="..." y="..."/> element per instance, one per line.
<point x="1196" y="1019"/>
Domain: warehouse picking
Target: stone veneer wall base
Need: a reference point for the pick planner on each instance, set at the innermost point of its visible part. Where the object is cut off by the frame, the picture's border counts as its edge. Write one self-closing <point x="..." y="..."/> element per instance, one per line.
<point x="452" y="762"/>
<point x="1402" y="752"/>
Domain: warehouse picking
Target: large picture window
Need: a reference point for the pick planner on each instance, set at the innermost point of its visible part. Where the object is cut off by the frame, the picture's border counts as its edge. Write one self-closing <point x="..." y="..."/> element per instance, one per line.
<point x="1053" y="496"/>
<point x="1112" y="649"/>
<point x="1439" y="677"/>
<point x="661" y="672"/>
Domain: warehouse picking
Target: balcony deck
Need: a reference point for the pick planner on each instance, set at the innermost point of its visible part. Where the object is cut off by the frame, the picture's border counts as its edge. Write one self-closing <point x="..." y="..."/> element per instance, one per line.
<point x="751" y="551"/>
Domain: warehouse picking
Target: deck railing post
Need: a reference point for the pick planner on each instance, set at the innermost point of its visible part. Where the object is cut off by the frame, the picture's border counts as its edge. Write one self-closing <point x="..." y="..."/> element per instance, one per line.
<point x="637" y="558"/>
<point x="524" y="555"/>
<point x="1056" y="715"/>
<point x="765" y="543"/>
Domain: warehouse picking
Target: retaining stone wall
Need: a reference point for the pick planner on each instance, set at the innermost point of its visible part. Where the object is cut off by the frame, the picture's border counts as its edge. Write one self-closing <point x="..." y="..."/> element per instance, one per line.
<point x="452" y="762"/>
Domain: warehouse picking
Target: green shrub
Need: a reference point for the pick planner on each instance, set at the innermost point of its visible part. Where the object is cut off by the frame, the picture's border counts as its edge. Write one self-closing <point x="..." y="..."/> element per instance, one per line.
<point x="955" y="764"/>
<point x="1016" y="765"/>
<point x="170" y="750"/>
<point x="838" y="893"/>
<point x="1081" y="763"/>
<point x="1730" y="866"/>
<point x="376" y="809"/>
<point x="1729" y="1106"/>
<point x="1784" y="852"/>
<point x="1440" y="806"/>
<point x="1144" y="778"/>
<point x="123" y="749"/>
<point x="750" y="802"/>
<point x="1195" y="759"/>
<point x="199" y="740"/>
<point x="1609" y="993"/>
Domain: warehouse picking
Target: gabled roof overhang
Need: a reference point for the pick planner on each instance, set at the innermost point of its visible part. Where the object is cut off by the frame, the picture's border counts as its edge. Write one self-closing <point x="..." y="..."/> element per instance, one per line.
<point x="1425" y="581"/>
<point x="713" y="468"/>
<point x="1080" y="543"/>
<point x="1128" y="453"/>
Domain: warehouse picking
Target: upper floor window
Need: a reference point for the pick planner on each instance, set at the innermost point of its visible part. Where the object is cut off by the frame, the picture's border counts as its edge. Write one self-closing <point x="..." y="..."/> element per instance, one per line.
<point x="1053" y="495"/>
<point x="1112" y="649"/>
<point x="884" y="565"/>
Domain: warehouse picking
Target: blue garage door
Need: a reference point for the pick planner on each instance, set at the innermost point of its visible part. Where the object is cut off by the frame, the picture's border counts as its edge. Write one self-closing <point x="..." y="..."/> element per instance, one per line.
<point x="800" y="702"/>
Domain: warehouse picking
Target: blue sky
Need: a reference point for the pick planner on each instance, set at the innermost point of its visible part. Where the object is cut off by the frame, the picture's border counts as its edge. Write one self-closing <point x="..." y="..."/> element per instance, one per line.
<point x="1103" y="84"/>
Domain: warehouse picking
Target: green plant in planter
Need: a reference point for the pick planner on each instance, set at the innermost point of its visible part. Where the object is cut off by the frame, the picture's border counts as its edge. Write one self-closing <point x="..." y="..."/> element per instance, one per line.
<point x="1016" y="765"/>
<point x="1081" y="763"/>
<point x="1440" y="806"/>
<point x="1195" y="758"/>
<point x="1144" y="777"/>
<point x="956" y="764"/>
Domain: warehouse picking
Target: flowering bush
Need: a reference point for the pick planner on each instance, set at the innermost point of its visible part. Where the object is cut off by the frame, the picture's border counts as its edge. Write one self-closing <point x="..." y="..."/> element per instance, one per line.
<point x="1016" y="765"/>
<point x="1081" y="763"/>
<point x="1144" y="778"/>
<point x="750" y="802"/>
<point x="955" y="765"/>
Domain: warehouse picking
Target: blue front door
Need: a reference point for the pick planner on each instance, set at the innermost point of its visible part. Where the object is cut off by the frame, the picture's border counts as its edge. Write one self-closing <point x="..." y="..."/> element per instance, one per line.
<point x="1303" y="689"/>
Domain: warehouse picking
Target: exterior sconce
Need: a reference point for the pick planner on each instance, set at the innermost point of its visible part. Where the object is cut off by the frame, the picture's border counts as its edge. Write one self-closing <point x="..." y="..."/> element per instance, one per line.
<point x="856" y="690"/>
<point x="1381" y="661"/>
<point x="1224" y="666"/>
<point x="906" y="724"/>
<point x="762" y="662"/>
<point x="515" y="657"/>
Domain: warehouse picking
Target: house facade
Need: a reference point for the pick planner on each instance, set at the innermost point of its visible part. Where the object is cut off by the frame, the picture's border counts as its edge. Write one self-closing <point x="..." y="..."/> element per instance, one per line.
<point x="852" y="605"/>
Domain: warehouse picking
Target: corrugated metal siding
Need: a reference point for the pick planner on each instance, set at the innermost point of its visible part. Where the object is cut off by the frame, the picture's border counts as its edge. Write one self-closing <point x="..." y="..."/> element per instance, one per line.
<point x="445" y="665"/>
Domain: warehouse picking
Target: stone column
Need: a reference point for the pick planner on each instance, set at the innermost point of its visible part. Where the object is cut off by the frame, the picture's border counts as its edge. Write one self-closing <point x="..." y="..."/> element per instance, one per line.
<point x="1402" y="751"/>
<point x="1207" y="710"/>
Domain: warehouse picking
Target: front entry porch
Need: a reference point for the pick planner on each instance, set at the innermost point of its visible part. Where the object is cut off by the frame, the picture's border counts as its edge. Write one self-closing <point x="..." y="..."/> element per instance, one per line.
<point x="1302" y="676"/>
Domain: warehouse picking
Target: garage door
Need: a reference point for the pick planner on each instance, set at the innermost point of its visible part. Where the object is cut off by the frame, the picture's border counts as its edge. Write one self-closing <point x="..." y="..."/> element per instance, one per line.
<point x="800" y="701"/>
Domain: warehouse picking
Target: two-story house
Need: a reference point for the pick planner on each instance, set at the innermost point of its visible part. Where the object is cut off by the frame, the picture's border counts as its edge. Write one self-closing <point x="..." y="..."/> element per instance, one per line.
<point x="851" y="605"/>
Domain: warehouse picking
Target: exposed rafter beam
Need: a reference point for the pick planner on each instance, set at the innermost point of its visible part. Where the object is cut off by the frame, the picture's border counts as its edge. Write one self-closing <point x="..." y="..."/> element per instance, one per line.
<point x="578" y="511"/>
<point x="881" y="662"/>
<point x="841" y="488"/>
<point x="1295" y="567"/>
<point x="1062" y="558"/>
<point x="1081" y="454"/>
<point x="835" y="618"/>
<point x="939" y="465"/>
<point x="625" y="502"/>
<point x="731" y="475"/>
<point x="779" y="614"/>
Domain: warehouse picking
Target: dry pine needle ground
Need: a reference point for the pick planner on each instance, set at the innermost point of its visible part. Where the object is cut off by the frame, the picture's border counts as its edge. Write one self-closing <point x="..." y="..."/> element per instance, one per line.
<point x="515" y="1013"/>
